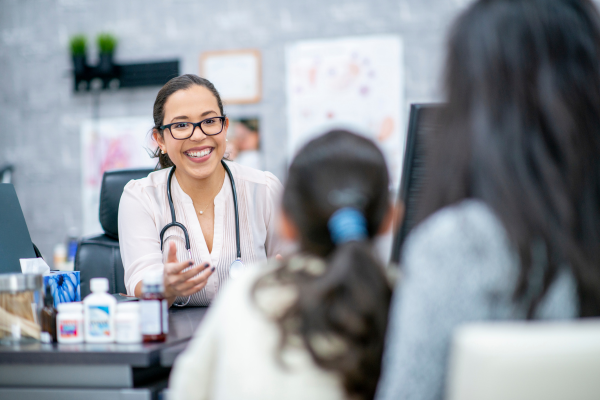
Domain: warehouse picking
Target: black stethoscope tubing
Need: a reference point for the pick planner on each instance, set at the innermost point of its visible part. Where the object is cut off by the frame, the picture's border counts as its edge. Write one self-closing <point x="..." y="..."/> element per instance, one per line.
<point x="179" y="225"/>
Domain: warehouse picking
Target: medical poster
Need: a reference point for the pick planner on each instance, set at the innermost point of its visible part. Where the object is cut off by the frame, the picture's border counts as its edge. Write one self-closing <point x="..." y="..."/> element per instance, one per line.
<point x="108" y="144"/>
<point x="355" y="83"/>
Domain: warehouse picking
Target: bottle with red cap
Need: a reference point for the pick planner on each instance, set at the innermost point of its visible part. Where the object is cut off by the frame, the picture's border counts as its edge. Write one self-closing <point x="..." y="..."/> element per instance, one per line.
<point x="154" y="309"/>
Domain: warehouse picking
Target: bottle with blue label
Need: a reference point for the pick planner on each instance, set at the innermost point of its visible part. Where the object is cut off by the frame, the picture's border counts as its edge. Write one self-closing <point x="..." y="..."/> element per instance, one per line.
<point x="99" y="309"/>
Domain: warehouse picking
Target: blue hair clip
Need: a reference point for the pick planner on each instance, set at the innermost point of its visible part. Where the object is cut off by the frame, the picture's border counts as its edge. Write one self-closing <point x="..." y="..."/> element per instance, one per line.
<point x="347" y="224"/>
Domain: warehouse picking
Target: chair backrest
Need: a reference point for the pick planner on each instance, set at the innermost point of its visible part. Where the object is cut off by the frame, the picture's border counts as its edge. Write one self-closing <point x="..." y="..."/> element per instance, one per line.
<point x="100" y="256"/>
<point x="526" y="361"/>
<point x="421" y="123"/>
<point x="113" y="183"/>
<point x="15" y="242"/>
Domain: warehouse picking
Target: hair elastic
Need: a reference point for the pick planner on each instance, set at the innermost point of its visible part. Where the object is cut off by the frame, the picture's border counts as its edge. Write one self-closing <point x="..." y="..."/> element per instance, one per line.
<point x="347" y="224"/>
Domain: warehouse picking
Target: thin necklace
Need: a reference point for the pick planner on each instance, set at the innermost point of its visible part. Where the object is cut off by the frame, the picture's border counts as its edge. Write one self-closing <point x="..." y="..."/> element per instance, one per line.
<point x="202" y="212"/>
<point x="212" y="202"/>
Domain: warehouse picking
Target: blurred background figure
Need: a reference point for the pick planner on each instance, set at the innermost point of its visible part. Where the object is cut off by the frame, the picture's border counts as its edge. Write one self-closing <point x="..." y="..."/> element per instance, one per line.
<point x="244" y="145"/>
<point x="310" y="326"/>
<point x="511" y="206"/>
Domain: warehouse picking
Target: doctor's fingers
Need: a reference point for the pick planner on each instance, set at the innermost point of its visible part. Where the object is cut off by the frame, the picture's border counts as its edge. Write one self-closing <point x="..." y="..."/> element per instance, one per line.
<point x="190" y="273"/>
<point x="172" y="256"/>
<point x="196" y="284"/>
<point x="176" y="267"/>
<point x="180" y="277"/>
<point x="198" y="280"/>
<point x="193" y="290"/>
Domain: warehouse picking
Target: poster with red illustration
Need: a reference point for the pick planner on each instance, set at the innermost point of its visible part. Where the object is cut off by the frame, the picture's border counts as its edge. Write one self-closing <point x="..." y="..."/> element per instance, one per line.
<point x="108" y="144"/>
<point x="355" y="83"/>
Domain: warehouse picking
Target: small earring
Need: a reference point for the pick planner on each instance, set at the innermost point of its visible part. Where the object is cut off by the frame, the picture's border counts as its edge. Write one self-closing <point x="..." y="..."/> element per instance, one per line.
<point x="164" y="152"/>
<point x="227" y="140"/>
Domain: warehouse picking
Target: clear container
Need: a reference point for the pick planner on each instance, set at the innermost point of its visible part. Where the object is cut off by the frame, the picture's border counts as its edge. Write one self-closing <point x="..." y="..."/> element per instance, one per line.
<point x="21" y="299"/>
<point x="127" y="322"/>
<point x="69" y="323"/>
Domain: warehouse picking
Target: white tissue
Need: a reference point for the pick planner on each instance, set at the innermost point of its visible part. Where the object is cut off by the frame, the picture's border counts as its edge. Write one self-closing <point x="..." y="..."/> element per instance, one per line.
<point x="34" y="266"/>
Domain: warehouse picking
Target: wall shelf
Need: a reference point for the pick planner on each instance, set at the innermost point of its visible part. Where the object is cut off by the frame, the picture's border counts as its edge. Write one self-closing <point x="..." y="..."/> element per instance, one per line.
<point x="116" y="76"/>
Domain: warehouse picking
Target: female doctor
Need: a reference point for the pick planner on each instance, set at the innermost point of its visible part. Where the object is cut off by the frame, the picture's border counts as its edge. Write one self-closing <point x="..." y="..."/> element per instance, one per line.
<point x="198" y="217"/>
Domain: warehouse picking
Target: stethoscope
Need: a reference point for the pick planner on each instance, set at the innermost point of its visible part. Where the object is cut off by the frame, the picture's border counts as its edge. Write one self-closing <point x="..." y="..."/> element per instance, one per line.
<point x="237" y="266"/>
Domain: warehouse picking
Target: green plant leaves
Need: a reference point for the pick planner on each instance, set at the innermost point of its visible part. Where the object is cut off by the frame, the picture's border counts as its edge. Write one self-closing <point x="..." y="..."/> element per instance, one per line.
<point x="106" y="43"/>
<point x="78" y="44"/>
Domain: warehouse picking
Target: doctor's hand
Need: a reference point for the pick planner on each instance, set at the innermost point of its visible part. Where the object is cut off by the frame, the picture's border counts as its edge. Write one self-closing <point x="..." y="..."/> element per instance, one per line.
<point x="183" y="283"/>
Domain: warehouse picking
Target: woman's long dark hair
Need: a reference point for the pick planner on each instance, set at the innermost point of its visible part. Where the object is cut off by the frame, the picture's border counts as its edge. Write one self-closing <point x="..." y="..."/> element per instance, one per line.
<point x="174" y="85"/>
<point x="343" y="293"/>
<point x="521" y="131"/>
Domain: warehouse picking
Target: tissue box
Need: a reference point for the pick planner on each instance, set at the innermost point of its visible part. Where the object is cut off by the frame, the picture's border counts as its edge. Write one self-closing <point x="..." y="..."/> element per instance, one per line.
<point x="64" y="285"/>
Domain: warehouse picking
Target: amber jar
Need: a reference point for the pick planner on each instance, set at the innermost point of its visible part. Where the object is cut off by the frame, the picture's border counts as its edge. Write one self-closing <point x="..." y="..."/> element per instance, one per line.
<point x="48" y="318"/>
<point x="154" y="309"/>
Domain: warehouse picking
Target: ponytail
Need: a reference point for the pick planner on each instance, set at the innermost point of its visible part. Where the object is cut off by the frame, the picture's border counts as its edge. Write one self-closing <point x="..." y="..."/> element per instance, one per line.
<point x="340" y="312"/>
<point x="358" y="312"/>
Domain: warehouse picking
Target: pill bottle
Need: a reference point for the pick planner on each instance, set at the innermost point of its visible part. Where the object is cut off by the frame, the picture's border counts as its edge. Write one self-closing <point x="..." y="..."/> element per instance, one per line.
<point x="69" y="323"/>
<point x="154" y="309"/>
<point x="99" y="313"/>
<point x="127" y="322"/>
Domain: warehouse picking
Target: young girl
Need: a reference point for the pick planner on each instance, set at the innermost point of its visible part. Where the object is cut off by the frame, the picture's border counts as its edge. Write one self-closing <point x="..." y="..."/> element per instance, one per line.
<point x="311" y="326"/>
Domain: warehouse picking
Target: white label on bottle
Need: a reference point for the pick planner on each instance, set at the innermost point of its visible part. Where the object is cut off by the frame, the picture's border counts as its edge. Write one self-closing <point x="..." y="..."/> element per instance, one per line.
<point x="69" y="329"/>
<point x="150" y="312"/>
<point x="165" y="316"/>
<point x="127" y="331"/>
<point x="99" y="321"/>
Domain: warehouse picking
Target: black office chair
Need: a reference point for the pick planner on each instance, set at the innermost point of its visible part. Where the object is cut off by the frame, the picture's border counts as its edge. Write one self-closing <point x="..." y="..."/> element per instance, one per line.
<point x="422" y="122"/>
<point x="99" y="256"/>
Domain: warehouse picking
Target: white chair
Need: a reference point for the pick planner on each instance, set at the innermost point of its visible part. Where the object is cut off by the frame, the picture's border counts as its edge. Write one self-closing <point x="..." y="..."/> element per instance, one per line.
<point x="525" y="361"/>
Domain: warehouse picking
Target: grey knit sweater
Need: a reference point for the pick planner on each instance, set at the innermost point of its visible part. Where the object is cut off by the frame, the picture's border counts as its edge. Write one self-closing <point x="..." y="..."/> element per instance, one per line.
<point x="458" y="266"/>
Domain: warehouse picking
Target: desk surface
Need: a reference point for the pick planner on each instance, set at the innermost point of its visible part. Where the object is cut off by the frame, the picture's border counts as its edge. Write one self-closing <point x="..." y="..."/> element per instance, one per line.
<point x="182" y="324"/>
<point x="168" y="355"/>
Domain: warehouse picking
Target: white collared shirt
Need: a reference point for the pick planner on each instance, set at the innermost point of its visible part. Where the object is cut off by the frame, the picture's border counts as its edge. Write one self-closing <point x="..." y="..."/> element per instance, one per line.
<point x="144" y="211"/>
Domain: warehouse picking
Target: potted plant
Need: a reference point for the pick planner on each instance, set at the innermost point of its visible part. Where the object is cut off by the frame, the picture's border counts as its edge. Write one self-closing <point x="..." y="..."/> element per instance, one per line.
<point x="78" y="45"/>
<point x="106" y="44"/>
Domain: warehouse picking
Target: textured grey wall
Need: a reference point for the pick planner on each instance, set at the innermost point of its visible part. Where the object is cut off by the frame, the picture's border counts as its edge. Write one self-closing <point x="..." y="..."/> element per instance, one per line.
<point x="40" y="116"/>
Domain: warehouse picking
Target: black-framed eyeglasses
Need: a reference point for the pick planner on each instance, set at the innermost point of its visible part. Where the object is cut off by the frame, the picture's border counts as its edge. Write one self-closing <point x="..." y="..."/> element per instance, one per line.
<point x="184" y="130"/>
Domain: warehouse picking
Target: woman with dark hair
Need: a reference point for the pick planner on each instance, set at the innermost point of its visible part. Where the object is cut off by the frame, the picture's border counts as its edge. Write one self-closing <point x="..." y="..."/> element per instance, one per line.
<point x="511" y="208"/>
<point x="220" y="209"/>
<point x="310" y="326"/>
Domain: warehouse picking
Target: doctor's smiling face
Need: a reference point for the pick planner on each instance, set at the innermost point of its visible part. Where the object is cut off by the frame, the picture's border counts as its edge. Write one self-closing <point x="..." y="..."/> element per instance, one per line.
<point x="196" y="156"/>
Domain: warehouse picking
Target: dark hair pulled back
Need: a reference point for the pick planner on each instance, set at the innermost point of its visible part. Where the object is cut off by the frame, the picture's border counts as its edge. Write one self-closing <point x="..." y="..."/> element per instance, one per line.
<point x="347" y="299"/>
<point x="521" y="131"/>
<point x="176" y="84"/>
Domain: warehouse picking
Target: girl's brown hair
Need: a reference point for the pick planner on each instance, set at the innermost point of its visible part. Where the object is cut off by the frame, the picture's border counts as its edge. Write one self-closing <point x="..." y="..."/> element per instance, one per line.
<point x="340" y="313"/>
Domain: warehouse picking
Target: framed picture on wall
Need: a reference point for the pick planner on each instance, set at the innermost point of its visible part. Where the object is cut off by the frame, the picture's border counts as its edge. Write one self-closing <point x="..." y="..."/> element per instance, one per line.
<point x="235" y="73"/>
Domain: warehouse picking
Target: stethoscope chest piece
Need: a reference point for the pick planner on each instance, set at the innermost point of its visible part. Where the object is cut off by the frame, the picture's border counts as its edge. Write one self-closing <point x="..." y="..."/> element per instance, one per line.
<point x="236" y="268"/>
